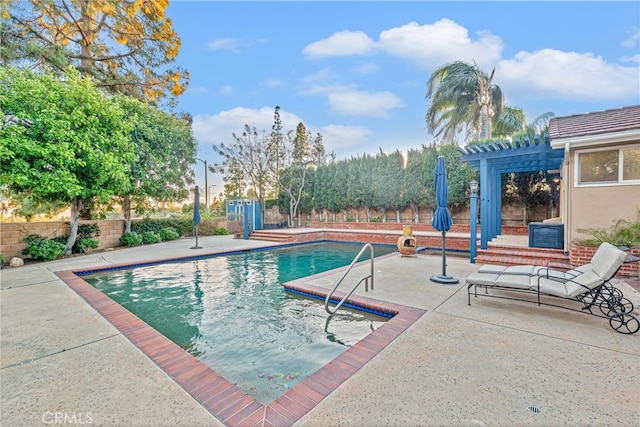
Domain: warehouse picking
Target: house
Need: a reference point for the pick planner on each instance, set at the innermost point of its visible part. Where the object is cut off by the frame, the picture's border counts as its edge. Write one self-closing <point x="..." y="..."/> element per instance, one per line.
<point x="600" y="169"/>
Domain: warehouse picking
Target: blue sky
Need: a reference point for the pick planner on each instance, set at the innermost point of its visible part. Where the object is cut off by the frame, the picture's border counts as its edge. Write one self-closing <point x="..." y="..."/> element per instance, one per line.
<point x="357" y="71"/>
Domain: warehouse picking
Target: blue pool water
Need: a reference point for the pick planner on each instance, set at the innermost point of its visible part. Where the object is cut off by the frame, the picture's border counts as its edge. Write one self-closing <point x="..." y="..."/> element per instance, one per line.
<point x="233" y="314"/>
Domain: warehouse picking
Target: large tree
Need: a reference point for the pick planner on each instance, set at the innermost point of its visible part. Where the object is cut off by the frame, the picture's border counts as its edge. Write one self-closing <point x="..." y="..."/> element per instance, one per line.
<point x="165" y="150"/>
<point x="297" y="154"/>
<point x="464" y="100"/>
<point x="75" y="147"/>
<point x="415" y="184"/>
<point x="250" y="155"/>
<point x="126" y="46"/>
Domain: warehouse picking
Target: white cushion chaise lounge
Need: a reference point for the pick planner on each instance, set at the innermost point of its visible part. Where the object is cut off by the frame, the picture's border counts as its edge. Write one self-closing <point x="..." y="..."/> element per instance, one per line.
<point x="587" y="284"/>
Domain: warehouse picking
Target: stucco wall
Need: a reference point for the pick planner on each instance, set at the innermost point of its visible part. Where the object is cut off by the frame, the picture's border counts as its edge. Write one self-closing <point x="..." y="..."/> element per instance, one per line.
<point x="597" y="206"/>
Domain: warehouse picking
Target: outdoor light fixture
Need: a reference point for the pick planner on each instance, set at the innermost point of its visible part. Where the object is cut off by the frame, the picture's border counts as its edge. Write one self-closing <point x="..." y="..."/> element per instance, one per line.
<point x="473" y="186"/>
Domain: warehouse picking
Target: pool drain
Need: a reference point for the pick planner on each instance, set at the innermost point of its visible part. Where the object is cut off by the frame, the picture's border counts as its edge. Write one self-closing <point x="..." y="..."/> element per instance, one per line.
<point x="533" y="409"/>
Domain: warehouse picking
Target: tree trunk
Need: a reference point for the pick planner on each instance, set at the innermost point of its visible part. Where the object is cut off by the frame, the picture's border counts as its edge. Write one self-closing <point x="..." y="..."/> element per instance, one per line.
<point x="416" y="212"/>
<point x="126" y="210"/>
<point x="367" y="209"/>
<point x="76" y="207"/>
<point x="398" y="216"/>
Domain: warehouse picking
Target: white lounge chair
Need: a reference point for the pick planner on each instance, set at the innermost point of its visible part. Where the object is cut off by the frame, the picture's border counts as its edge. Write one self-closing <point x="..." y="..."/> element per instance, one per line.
<point x="588" y="285"/>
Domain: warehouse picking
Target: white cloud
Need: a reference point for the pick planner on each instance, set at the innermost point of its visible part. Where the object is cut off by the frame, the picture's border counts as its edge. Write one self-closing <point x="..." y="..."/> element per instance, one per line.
<point x="368" y="68"/>
<point x="338" y="138"/>
<point x="554" y="74"/>
<point x="444" y="41"/>
<point x="634" y="58"/>
<point x="216" y="128"/>
<point x="360" y="103"/>
<point x="271" y="83"/>
<point x="197" y="90"/>
<point x="343" y="43"/>
<point x="224" y="44"/>
<point x="316" y="84"/>
<point x="633" y="39"/>
<point x="226" y="90"/>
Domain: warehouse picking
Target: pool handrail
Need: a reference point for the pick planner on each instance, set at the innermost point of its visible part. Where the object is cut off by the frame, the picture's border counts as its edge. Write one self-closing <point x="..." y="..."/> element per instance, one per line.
<point x="365" y="279"/>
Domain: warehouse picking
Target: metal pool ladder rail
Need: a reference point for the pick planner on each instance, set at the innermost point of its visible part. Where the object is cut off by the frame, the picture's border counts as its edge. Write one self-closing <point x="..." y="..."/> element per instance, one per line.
<point x="365" y="279"/>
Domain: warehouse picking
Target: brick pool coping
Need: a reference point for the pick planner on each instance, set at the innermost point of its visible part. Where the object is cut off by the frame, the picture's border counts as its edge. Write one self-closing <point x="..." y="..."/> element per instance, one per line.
<point x="224" y="400"/>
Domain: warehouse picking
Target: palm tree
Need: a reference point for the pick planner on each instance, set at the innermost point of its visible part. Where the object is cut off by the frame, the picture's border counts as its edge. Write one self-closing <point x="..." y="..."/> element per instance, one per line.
<point x="463" y="99"/>
<point x="510" y="121"/>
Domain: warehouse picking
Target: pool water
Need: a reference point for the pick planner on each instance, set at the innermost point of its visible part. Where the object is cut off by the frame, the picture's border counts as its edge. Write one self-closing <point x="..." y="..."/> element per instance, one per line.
<point x="232" y="313"/>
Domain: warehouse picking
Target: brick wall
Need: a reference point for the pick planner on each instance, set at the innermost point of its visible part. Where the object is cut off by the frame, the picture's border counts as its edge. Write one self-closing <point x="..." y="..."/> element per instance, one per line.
<point x="452" y="242"/>
<point x="580" y="255"/>
<point x="455" y="228"/>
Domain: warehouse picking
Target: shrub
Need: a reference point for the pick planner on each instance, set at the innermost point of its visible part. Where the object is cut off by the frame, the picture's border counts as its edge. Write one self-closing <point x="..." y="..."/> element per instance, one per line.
<point x="220" y="231"/>
<point x="183" y="226"/>
<point x="131" y="239"/>
<point x="149" y="237"/>
<point x="168" y="233"/>
<point x="41" y="248"/>
<point x="622" y="233"/>
<point x="87" y="244"/>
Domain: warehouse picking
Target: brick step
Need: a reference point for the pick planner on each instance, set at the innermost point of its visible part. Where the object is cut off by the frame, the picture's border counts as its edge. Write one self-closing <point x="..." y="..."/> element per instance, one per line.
<point x="515" y="255"/>
<point x="272" y="237"/>
<point x="514" y="260"/>
<point x="524" y="253"/>
<point x="508" y="247"/>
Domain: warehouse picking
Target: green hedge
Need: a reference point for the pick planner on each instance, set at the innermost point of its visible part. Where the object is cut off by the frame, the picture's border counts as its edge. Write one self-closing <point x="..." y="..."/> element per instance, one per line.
<point x="184" y="226"/>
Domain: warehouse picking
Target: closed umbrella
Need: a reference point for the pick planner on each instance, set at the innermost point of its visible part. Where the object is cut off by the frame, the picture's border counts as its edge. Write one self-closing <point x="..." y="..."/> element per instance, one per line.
<point x="196" y="215"/>
<point x="442" y="218"/>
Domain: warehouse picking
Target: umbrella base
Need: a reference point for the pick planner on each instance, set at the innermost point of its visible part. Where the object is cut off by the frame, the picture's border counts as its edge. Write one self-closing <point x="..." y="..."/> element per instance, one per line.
<point x="196" y="247"/>
<point x="446" y="280"/>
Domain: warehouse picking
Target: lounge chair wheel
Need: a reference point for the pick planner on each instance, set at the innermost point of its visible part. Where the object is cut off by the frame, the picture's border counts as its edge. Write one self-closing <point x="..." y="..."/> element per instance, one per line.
<point x="624" y="323"/>
<point x="615" y="305"/>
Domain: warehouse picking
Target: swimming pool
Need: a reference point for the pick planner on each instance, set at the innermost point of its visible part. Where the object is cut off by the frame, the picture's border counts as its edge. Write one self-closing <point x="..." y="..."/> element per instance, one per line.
<point x="231" y="312"/>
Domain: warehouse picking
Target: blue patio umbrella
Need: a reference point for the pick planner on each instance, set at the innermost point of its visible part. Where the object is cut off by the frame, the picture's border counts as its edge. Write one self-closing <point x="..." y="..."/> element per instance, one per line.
<point x="442" y="218"/>
<point x="196" y="215"/>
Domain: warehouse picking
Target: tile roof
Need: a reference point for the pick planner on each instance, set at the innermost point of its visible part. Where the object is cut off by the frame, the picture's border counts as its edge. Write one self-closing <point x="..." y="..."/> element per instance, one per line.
<point x="599" y="122"/>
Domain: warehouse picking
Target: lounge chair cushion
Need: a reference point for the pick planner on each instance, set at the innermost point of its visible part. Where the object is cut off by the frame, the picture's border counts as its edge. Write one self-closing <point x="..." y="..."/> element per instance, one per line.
<point x="607" y="260"/>
<point x="482" y="279"/>
<point x="517" y="281"/>
<point x="533" y="270"/>
<point x="570" y="288"/>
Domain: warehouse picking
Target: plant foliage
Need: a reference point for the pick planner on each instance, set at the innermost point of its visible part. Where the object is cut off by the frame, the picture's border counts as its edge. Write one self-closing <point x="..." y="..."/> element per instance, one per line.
<point x="41" y="248"/>
<point x="623" y="232"/>
<point x="131" y="239"/>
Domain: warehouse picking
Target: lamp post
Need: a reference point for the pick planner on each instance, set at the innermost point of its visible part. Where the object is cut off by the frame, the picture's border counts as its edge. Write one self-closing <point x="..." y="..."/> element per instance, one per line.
<point x="212" y="185"/>
<point x="473" y="189"/>
<point x="206" y="187"/>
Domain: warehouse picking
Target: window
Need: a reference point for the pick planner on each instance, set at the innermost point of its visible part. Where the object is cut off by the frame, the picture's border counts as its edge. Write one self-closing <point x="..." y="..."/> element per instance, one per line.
<point x="631" y="164"/>
<point x="617" y="166"/>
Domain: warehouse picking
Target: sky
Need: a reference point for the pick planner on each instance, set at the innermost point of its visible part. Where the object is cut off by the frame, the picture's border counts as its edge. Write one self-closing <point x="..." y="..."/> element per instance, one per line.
<point x="357" y="72"/>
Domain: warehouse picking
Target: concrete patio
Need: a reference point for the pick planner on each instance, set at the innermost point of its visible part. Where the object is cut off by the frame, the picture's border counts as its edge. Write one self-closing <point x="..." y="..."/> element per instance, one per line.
<point x="493" y="363"/>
